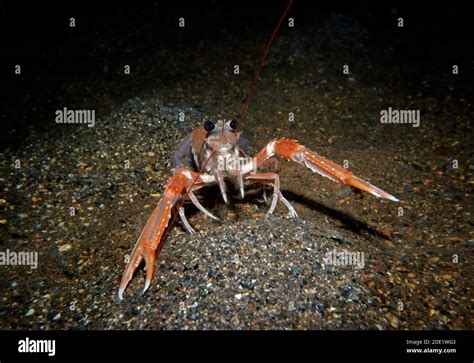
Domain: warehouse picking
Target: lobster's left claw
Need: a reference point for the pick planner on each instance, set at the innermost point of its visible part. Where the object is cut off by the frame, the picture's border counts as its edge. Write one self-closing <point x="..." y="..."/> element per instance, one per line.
<point x="291" y="150"/>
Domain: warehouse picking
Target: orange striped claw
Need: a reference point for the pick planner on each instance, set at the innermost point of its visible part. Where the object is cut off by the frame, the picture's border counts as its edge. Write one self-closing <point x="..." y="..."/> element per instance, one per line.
<point x="151" y="237"/>
<point x="292" y="150"/>
<point x="146" y="246"/>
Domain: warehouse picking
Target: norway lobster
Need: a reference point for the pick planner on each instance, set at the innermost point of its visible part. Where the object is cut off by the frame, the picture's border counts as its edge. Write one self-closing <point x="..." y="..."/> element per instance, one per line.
<point x="211" y="154"/>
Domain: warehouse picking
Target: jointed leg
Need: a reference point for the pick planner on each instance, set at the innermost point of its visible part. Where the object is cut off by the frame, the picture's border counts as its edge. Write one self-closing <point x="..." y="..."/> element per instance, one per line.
<point x="274" y="163"/>
<point x="220" y="180"/>
<point x="196" y="202"/>
<point x="274" y="180"/>
<point x="185" y="221"/>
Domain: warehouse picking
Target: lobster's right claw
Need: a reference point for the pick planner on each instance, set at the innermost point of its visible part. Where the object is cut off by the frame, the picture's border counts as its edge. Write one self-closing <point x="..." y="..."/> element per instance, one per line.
<point x="139" y="254"/>
<point x="152" y="235"/>
<point x="145" y="248"/>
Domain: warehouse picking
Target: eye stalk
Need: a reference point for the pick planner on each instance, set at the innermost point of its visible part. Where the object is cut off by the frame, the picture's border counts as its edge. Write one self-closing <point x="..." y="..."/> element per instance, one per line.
<point x="233" y="124"/>
<point x="209" y="126"/>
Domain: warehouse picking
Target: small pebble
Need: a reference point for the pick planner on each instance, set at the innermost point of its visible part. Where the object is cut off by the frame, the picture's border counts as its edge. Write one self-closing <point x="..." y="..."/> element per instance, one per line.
<point x="30" y="312"/>
<point x="65" y="247"/>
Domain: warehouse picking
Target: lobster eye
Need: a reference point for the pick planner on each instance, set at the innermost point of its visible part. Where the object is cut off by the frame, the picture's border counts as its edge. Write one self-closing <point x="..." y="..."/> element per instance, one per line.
<point x="209" y="126"/>
<point x="233" y="124"/>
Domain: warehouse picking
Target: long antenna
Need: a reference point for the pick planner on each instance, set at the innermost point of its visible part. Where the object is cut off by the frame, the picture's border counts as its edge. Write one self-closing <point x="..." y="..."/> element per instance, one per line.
<point x="260" y="65"/>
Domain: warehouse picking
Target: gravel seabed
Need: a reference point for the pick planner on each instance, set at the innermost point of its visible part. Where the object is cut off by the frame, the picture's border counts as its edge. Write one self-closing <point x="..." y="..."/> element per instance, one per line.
<point x="252" y="270"/>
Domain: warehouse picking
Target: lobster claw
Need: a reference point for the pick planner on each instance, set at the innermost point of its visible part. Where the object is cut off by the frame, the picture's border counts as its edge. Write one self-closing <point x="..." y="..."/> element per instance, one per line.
<point x="145" y="249"/>
<point x="292" y="150"/>
<point x="150" y="238"/>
